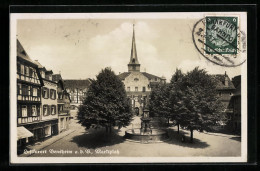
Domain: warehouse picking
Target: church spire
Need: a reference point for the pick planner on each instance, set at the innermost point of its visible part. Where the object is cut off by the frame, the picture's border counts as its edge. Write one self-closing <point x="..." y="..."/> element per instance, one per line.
<point x="133" y="64"/>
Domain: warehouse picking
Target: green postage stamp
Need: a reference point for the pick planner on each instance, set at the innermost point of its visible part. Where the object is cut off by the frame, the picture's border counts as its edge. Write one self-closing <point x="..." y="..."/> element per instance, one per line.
<point x="221" y="35"/>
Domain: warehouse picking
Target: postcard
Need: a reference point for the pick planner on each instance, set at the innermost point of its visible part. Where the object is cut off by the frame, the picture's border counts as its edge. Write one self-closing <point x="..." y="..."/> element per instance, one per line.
<point x="168" y="87"/>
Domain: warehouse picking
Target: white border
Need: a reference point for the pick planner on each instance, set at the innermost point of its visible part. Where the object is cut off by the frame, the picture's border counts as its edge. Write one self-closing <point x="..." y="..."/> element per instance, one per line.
<point x="181" y="15"/>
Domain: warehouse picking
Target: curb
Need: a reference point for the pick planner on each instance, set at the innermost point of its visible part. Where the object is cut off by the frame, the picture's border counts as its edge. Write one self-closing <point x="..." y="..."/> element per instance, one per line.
<point x="28" y="155"/>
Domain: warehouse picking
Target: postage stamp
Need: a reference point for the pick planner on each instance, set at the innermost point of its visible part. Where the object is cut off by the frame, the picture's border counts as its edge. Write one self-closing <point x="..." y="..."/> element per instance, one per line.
<point x="221" y="35"/>
<point x="220" y="40"/>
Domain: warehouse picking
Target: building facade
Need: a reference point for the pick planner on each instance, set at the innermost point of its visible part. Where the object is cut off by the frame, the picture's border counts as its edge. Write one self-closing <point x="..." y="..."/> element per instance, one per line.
<point x="235" y="117"/>
<point x="77" y="90"/>
<point x="63" y="101"/>
<point x="29" y="83"/>
<point x="49" y="102"/>
<point x="138" y="85"/>
<point x="225" y="89"/>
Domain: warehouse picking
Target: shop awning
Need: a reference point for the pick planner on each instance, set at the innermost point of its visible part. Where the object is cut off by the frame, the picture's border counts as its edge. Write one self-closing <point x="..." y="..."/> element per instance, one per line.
<point x="22" y="132"/>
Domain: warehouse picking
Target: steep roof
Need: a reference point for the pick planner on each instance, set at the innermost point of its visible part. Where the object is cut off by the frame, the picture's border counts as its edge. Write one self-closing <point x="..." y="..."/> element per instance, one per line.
<point x="150" y="76"/>
<point x="133" y="57"/>
<point x="39" y="64"/>
<point x="236" y="80"/>
<point x="80" y="84"/>
<point x="22" y="53"/>
<point x="147" y="75"/>
<point x="124" y="75"/>
<point x="221" y="82"/>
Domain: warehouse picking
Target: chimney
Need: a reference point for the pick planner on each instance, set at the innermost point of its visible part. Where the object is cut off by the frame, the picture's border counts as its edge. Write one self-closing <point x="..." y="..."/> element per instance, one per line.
<point x="226" y="79"/>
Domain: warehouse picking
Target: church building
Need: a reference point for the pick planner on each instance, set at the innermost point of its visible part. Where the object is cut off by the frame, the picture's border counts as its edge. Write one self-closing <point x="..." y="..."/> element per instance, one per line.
<point x="138" y="84"/>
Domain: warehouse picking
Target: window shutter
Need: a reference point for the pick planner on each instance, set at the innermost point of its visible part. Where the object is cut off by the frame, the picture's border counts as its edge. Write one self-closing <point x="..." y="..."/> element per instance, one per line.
<point x="54" y="109"/>
<point x="19" y="111"/>
<point x="54" y="94"/>
<point x="31" y="93"/>
<point x="18" y="68"/>
<point x="43" y="92"/>
<point x="48" y="92"/>
<point x="38" y="92"/>
<point x="18" y="89"/>
<point x="23" y="90"/>
<point x="38" y="110"/>
<point x="30" y="72"/>
<point x="29" y="110"/>
<point x="48" y="109"/>
<point x="43" y="110"/>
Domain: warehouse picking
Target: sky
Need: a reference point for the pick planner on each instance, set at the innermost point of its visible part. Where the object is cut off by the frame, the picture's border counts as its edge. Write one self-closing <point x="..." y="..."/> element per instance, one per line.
<point x="80" y="48"/>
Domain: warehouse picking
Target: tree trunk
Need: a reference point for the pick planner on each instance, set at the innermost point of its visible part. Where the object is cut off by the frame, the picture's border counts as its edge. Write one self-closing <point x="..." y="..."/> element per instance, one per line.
<point x="110" y="129"/>
<point x="191" y="135"/>
<point x="178" y="128"/>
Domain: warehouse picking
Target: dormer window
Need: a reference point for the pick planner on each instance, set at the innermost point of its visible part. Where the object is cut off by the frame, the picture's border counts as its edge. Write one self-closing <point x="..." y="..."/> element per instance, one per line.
<point x="43" y="74"/>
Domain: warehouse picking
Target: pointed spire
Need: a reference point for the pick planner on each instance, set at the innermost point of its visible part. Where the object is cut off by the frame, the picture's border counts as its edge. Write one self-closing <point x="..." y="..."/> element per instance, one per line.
<point x="133" y="64"/>
<point x="133" y="58"/>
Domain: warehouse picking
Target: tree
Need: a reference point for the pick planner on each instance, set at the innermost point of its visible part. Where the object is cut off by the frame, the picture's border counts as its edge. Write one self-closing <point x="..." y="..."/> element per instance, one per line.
<point x="106" y="103"/>
<point x="160" y="102"/>
<point x="175" y="97"/>
<point x="200" y="105"/>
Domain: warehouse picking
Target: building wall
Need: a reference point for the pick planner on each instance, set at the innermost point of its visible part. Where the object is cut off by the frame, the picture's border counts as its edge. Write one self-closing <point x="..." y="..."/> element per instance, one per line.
<point x="225" y="96"/>
<point x="28" y="93"/>
<point x="48" y="101"/>
<point x="77" y="95"/>
<point x="138" y="99"/>
<point x="136" y="79"/>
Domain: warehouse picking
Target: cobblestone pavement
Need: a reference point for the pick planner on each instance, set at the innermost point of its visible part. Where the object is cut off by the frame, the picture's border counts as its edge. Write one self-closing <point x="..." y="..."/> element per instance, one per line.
<point x="98" y="143"/>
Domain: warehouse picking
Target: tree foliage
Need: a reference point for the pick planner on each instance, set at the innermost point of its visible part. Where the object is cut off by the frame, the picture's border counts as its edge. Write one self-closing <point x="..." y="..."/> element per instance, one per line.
<point x="190" y="100"/>
<point x="106" y="103"/>
<point x="160" y="101"/>
<point x="200" y="103"/>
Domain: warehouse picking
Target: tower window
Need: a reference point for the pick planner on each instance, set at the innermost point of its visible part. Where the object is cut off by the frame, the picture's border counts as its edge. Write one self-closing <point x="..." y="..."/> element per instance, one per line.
<point x="133" y="60"/>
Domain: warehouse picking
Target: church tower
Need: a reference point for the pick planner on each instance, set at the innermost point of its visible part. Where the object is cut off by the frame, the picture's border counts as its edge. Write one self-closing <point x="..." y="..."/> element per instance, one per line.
<point x="133" y="64"/>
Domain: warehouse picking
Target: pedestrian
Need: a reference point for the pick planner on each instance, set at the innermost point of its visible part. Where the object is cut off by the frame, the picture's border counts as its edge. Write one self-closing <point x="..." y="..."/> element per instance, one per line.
<point x="183" y="138"/>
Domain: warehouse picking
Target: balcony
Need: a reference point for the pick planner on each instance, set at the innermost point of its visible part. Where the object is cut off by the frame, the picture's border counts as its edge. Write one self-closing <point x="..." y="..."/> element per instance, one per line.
<point x="28" y="78"/>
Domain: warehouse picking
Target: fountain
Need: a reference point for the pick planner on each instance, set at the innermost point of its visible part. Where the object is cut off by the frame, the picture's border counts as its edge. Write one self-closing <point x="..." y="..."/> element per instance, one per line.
<point x="146" y="134"/>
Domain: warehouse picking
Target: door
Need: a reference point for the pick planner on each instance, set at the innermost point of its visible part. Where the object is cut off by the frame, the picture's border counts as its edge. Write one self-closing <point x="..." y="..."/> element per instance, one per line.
<point x="137" y="111"/>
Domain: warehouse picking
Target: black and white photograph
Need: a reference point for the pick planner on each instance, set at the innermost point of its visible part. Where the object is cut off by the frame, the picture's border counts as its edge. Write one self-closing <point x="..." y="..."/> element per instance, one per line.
<point x="128" y="87"/>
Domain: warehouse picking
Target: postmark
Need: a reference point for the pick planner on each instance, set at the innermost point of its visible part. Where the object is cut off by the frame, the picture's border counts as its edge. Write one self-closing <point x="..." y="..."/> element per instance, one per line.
<point x="219" y="40"/>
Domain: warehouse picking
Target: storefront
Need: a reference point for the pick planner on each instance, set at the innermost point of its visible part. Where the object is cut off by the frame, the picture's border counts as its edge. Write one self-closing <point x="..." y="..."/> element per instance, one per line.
<point x="42" y="130"/>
